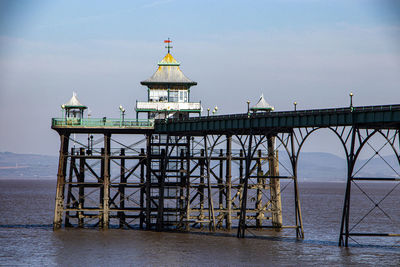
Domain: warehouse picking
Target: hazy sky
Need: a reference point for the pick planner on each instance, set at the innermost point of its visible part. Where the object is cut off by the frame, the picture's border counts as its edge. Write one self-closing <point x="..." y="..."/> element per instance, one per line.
<point x="313" y="52"/>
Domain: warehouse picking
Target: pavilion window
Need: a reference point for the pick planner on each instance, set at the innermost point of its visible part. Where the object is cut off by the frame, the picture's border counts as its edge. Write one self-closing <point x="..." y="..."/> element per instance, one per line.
<point x="158" y="95"/>
<point x="173" y="96"/>
<point x="183" y="96"/>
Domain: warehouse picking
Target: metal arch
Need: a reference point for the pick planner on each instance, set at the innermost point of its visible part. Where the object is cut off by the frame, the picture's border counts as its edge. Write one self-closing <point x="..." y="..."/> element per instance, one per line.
<point x="300" y="145"/>
<point x="244" y="147"/>
<point x="362" y="143"/>
<point x="242" y="144"/>
<point x="213" y="146"/>
<point x="351" y="159"/>
<point x="284" y="145"/>
<point x="391" y="145"/>
<point x="294" y="156"/>
<point x="344" y="226"/>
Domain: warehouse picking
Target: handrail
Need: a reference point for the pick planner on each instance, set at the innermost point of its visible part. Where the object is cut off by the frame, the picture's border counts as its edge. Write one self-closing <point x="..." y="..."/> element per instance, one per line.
<point x="136" y="123"/>
<point x="101" y="122"/>
<point x="289" y="113"/>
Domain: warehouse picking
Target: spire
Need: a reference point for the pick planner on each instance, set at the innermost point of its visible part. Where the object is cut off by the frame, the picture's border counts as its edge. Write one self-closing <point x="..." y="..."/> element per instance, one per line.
<point x="168" y="42"/>
<point x="168" y="72"/>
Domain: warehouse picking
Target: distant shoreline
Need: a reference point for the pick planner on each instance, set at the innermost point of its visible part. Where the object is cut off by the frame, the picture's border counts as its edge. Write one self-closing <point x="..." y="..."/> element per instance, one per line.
<point x="13" y="167"/>
<point x="53" y="178"/>
<point x="48" y="178"/>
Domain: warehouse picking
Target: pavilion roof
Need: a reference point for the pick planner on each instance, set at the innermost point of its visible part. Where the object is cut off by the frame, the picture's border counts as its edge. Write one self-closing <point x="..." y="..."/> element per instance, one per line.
<point x="262" y="105"/>
<point x="74" y="102"/>
<point x="168" y="72"/>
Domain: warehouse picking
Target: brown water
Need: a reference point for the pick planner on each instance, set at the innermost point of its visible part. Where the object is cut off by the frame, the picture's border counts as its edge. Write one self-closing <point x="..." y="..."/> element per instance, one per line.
<point x="26" y="236"/>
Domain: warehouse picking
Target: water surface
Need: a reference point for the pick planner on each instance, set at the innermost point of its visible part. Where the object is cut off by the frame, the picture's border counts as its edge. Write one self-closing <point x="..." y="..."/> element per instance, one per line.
<point x="26" y="236"/>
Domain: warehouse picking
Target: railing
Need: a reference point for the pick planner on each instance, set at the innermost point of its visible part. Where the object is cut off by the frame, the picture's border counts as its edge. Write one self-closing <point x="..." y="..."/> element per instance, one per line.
<point x="169" y="106"/>
<point x="101" y="122"/>
<point x="133" y="123"/>
<point x="290" y="113"/>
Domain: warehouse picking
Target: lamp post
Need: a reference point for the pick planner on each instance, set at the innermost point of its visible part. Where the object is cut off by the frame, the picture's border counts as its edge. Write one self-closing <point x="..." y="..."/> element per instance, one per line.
<point x="122" y="115"/>
<point x="62" y="111"/>
<point x="215" y="110"/>
<point x="295" y="105"/>
<point x="351" y="100"/>
<point x="248" y="107"/>
<point x="90" y="145"/>
<point x="208" y="112"/>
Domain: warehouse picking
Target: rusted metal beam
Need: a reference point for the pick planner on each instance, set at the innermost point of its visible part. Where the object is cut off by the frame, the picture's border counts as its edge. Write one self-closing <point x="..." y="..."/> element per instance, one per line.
<point x="62" y="162"/>
<point x="228" y="182"/>
<point x="106" y="181"/>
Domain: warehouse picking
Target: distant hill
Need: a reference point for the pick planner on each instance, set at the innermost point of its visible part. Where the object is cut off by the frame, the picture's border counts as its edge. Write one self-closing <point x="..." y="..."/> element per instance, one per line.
<point x="313" y="166"/>
<point x="321" y="166"/>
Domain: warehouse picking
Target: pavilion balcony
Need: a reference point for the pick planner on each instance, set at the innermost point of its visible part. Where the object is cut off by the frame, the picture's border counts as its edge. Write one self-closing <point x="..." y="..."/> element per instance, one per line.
<point x="168" y="106"/>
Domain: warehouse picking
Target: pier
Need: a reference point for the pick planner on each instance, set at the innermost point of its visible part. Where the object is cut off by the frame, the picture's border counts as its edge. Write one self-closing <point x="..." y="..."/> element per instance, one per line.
<point x="175" y="171"/>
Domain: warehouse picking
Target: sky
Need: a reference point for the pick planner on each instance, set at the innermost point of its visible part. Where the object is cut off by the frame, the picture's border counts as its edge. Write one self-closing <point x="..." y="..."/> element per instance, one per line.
<point x="312" y="52"/>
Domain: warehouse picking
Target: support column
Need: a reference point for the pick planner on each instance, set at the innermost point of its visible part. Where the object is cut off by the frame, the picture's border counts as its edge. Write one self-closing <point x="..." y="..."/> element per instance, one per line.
<point x="299" y="221"/>
<point x="62" y="162"/>
<point x="241" y="168"/>
<point x="182" y="185"/>
<point x="211" y="214"/>
<point x="243" y="206"/>
<point x="187" y="184"/>
<point x="148" y="182"/>
<point x="275" y="185"/>
<point x="81" y="180"/>
<point x="142" y="188"/>
<point x="106" y="182"/>
<point x="101" y="193"/>
<point x="346" y="205"/>
<point x="161" y="188"/>
<point x="229" y="182"/>
<point x="70" y="197"/>
<point x="121" y="189"/>
<point x="260" y="187"/>
<point x="221" y="189"/>
<point x="201" y="186"/>
<point x="241" y="176"/>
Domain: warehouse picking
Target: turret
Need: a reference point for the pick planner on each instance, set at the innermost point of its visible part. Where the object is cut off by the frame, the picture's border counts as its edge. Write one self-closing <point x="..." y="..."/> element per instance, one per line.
<point x="73" y="110"/>
<point x="168" y="91"/>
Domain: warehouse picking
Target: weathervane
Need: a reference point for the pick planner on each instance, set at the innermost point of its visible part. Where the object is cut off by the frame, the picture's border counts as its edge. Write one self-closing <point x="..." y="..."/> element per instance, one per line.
<point x="168" y="42"/>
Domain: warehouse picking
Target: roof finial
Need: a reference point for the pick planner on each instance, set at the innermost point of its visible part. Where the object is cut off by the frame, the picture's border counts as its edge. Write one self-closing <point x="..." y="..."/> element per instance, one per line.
<point x="168" y="42"/>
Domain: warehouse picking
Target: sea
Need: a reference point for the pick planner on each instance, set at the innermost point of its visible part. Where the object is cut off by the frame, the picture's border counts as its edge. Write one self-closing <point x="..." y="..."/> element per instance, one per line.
<point x="27" y="238"/>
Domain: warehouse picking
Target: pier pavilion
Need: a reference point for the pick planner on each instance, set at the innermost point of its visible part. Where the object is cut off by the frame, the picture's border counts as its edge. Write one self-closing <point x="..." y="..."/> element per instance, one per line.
<point x="168" y="92"/>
